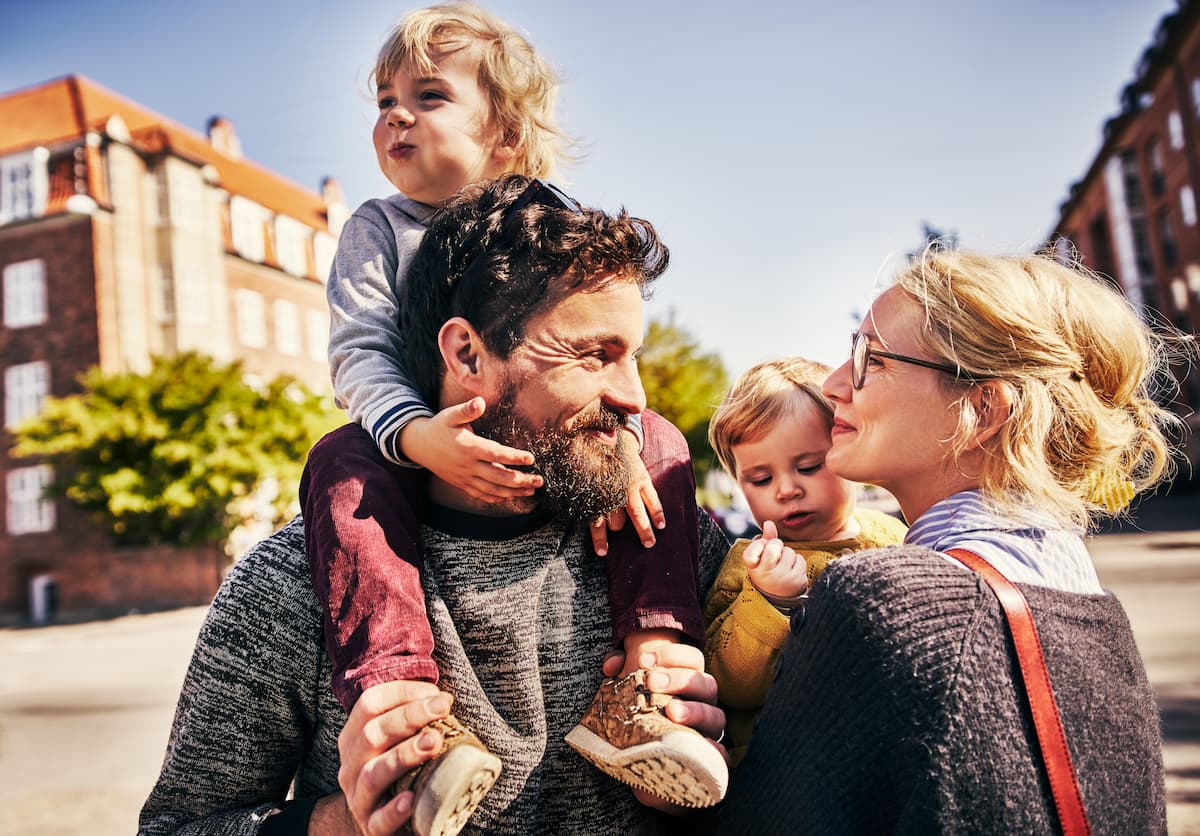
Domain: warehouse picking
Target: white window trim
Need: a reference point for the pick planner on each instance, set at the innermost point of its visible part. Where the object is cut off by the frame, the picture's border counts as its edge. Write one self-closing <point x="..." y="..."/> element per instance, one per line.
<point x="287" y="327"/>
<point x="25" y="293"/>
<point x="29" y="512"/>
<point x="324" y="250"/>
<point x="1175" y="129"/>
<point x="247" y="222"/>
<point x="251" y="318"/>
<point x="26" y="386"/>
<point x="34" y="161"/>
<point x="291" y="245"/>
<point x="1187" y="205"/>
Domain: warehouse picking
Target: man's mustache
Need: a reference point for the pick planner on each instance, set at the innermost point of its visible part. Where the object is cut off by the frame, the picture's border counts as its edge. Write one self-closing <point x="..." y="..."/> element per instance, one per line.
<point x="605" y="418"/>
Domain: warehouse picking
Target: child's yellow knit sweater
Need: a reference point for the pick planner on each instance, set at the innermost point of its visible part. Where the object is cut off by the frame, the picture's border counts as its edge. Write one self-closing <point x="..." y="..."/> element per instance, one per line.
<point x="746" y="632"/>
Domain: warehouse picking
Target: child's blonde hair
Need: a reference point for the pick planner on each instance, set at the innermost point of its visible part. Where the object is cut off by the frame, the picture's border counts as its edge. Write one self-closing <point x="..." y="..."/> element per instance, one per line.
<point x="1080" y="365"/>
<point x="763" y="397"/>
<point x="520" y="87"/>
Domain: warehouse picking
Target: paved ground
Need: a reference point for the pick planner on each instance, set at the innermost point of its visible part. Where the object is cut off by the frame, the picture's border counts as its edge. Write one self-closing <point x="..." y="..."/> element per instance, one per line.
<point x="85" y="709"/>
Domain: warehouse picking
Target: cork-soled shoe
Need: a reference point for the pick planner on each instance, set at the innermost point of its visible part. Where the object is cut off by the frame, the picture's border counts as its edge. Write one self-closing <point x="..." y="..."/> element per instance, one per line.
<point x="625" y="733"/>
<point x="447" y="789"/>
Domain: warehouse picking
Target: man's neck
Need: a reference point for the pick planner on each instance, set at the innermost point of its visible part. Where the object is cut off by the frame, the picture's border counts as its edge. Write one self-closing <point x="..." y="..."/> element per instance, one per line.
<point x="444" y="494"/>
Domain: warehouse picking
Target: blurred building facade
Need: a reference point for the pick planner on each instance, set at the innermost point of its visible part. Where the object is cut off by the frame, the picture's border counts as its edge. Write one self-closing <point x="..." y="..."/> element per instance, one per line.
<point x="1133" y="215"/>
<point x="125" y="236"/>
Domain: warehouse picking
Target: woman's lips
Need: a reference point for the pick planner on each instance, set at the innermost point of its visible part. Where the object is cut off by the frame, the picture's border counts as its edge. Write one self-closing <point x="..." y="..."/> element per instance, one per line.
<point x="840" y="427"/>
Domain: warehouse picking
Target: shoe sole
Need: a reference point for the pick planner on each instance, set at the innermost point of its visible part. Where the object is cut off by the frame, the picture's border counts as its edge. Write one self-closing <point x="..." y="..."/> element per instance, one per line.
<point x="453" y="789"/>
<point x="682" y="768"/>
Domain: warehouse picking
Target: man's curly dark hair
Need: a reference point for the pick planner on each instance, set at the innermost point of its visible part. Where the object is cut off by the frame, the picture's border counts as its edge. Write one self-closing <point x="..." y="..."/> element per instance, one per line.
<point x="529" y="263"/>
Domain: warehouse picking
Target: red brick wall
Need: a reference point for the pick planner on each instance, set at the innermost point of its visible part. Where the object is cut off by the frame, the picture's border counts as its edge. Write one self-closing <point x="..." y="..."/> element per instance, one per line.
<point x="93" y="582"/>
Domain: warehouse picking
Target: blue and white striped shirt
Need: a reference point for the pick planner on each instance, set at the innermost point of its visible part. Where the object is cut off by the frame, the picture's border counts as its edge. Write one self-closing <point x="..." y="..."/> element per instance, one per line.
<point x="1028" y="548"/>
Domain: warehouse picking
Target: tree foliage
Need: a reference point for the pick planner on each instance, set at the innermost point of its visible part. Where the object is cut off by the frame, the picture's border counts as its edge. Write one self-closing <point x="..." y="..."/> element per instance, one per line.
<point x="165" y="457"/>
<point x="683" y="383"/>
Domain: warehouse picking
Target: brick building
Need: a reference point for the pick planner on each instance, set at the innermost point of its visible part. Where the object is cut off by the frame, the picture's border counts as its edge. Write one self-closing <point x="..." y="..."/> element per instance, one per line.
<point x="124" y="236"/>
<point x="1133" y="215"/>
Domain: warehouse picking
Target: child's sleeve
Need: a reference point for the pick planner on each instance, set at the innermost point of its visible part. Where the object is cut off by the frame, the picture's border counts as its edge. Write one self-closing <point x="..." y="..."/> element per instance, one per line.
<point x="364" y="340"/>
<point x="745" y="634"/>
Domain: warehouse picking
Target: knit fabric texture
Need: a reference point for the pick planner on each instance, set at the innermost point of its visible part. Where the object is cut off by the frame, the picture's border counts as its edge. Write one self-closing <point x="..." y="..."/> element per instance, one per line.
<point x="897" y="709"/>
<point x="746" y="632"/>
<point x="521" y="623"/>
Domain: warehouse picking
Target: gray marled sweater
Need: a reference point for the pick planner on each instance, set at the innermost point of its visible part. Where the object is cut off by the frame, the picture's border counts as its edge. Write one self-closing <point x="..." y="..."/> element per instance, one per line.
<point x="521" y="621"/>
<point x="895" y="711"/>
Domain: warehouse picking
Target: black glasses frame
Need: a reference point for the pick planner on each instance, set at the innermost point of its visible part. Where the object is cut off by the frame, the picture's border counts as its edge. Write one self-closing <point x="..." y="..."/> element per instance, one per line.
<point x="861" y="352"/>
<point x="541" y="192"/>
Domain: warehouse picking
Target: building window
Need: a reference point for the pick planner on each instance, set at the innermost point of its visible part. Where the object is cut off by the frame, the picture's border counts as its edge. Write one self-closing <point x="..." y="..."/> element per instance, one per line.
<point x="1166" y="237"/>
<point x="251" y="319"/>
<point x="1158" y="176"/>
<point x="1175" y="129"/>
<point x="25" y="388"/>
<point x="1134" y="197"/>
<point x="1102" y="249"/>
<point x="25" y="293"/>
<point x="28" y="509"/>
<point x="1187" y="205"/>
<point x="291" y="245"/>
<point x="193" y="297"/>
<point x="185" y="196"/>
<point x="1196" y="95"/>
<point x="248" y="220"/>
<point x="164" y="296"/>
<point x="318" y="335"/>
<point x="287" y="327"/>
<point x="324" y="248"/>
<point x="23" y="185"/>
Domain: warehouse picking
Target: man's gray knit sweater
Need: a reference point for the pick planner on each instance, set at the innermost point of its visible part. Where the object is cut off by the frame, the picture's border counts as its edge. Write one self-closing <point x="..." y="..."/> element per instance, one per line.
<point x="895" y="711"/>
<point x="520" y="618"/>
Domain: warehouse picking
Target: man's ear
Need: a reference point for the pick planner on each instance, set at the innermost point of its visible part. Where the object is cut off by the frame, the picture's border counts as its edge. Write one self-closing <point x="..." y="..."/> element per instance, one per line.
<point x="462" y="351"/>
<point x="992" y="401"/>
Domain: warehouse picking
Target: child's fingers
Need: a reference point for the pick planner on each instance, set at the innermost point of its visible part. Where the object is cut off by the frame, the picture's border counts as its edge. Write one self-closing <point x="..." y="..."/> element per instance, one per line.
<point x="640" y="519"/>
<point x="615" y="519"/>
<point x="460" y="415"/>
<point x="752" y="556"/>
<point x="599" y="531"/>
<point x="769" y="531"/>
<point x="487" y="450"/>
<point x="653" y="505"/>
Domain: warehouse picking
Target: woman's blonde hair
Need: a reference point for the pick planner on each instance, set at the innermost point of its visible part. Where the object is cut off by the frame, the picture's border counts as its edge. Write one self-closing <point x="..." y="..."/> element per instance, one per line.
<point x="763" y="397"/>
<point x="520" y="86"/>
<point x="1081" y="367"/>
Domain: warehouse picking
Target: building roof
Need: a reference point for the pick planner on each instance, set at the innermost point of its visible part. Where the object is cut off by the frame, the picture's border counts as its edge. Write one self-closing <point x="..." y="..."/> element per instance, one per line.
<point x="64" y="110"/>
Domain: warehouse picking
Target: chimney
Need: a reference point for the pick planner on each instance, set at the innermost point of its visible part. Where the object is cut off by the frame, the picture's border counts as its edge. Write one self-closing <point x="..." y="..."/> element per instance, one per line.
<point x="224" y="138"/>
<point x="334" y="199"/>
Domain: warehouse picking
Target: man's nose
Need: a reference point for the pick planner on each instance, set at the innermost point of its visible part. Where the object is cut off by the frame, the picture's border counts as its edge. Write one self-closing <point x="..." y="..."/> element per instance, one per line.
<point x="625" y="391"/>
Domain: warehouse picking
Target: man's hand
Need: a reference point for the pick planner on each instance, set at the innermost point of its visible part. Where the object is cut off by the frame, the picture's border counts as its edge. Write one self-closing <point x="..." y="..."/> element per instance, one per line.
<point x="642" y="506"/>
<point x="678" y="669"/>
<point x="775" y="569"/>
<point x="383" y="738"/>
<point x="480" y="467"/>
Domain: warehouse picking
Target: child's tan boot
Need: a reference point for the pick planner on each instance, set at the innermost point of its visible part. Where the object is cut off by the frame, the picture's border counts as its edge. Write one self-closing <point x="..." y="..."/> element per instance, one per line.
<point x="626" y="734"/>
<point x="447" y="789"/>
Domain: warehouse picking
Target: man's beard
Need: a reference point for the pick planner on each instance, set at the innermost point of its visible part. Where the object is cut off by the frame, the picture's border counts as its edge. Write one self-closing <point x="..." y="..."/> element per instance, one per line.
<point x="584" y="478"/>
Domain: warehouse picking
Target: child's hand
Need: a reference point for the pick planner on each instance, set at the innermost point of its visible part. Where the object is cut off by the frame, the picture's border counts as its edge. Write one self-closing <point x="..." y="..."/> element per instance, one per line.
<point x="642" y="505"/>
<point x="775" y="569"/>
<point x="446" y="446"/>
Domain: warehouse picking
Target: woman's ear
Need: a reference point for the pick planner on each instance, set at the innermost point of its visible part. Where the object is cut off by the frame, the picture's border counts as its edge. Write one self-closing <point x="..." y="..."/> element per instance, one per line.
<point x="992" y="401"/>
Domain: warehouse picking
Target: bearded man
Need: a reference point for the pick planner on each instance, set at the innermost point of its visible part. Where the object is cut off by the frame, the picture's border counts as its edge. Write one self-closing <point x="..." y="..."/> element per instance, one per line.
<point x="535" y="306"/>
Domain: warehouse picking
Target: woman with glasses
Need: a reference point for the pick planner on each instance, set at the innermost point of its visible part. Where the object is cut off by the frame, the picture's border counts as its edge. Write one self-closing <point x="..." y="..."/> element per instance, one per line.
<point x="1006" y="402"/>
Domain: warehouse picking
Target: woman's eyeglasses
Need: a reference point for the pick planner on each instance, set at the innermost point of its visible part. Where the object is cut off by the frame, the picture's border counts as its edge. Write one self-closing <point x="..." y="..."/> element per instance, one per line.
<point x="861" y="352"/>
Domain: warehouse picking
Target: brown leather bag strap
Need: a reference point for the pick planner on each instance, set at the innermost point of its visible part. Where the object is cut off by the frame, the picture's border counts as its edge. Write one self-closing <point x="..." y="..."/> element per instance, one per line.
<point x="1046" y="721"/>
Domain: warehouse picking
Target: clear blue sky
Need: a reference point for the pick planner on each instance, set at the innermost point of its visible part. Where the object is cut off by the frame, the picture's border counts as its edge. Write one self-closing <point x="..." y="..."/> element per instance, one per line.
<point x="783" y="149"/>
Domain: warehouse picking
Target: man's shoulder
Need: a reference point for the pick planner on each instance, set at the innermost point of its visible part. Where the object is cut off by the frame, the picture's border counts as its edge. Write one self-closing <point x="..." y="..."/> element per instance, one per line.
<point x="272" y="579"/>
